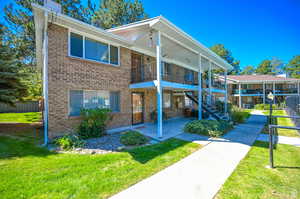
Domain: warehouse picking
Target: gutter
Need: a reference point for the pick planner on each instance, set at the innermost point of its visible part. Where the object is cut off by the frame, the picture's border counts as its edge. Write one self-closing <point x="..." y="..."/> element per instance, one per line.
<point x="45" y="78"/>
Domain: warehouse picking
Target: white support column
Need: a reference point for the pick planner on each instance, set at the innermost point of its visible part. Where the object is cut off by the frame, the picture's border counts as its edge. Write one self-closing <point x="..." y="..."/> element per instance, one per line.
<point x="264" y="93"/>
<point x="210" y="84"/>
<point x="274" y="92"/>
<point x="45" y="79"/>
<point x="240" y="97"/>
<point x="226" y="93"/>
<point x="159" y="87"/>
<point x="200" y="89"/>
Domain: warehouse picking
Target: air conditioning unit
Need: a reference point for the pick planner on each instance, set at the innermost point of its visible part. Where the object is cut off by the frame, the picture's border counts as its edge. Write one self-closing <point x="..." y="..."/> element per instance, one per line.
<point x="52" y="5"/>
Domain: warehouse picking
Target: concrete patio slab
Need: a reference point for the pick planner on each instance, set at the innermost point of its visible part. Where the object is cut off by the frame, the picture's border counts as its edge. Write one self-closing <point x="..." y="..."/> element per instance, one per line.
<point x="171" y="128"/>
<point x="200" y="175"/>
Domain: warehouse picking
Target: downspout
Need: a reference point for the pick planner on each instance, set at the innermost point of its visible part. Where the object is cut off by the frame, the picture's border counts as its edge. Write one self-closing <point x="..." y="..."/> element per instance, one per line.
<point x="45" y="78"/>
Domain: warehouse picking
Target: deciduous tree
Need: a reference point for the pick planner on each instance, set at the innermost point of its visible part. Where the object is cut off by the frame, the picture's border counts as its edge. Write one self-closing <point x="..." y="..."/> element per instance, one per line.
<point x="293" y="67"/>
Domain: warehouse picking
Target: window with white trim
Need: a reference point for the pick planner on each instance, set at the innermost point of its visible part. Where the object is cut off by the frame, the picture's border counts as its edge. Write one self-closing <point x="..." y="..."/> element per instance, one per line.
<point x="87" y="48"/>
<point x="90" y="99"/>
<point x="167" y="100"/>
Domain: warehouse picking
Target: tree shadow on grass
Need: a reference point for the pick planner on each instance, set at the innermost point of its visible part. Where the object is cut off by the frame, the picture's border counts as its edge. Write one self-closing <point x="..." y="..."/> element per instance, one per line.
<point x="15" y="148"/>
<point x="147" y="153"/>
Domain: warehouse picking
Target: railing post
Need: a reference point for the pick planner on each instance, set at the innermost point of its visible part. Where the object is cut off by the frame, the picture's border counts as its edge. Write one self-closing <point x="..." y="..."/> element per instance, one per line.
<point x="240" y="97"/>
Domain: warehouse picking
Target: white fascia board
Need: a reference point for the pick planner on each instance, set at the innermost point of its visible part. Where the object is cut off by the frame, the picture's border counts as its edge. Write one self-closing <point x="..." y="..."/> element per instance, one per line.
<point x="184" y="34"/>
<point x="132" y="25"/>
<point x="83" y="25"/>
<point x="264" y="81"/>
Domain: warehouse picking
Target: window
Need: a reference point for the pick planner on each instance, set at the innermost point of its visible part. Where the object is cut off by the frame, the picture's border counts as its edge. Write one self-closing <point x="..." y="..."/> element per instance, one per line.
<point x="91" y="99"/>
<point x="96" y="50"/>
<point x="76" y="45"/>
<point x="87" y="48"/>
<point x="188" y="102"/>
<point x="167" y="69"/>
<point x="167" y="100"/>
<point x="189" y="75"/>
<point x="114" y="55"/>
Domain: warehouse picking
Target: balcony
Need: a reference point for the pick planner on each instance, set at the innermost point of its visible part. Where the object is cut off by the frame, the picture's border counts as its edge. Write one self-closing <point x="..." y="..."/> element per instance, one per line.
<point x="248" y="91"/>
<point x="286" y="91"/>
<point x="176" y="74"/>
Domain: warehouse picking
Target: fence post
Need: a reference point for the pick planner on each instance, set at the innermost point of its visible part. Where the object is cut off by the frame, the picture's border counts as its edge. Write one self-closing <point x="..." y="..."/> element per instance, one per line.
<point x="271" y="146"/>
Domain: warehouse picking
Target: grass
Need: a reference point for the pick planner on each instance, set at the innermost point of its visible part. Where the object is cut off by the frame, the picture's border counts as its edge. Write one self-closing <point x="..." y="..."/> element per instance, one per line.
<point x="32" y="172"/>
<point x="252" y="180"/>
<point x="283" y="122"/>
<point x="21" y="117"/>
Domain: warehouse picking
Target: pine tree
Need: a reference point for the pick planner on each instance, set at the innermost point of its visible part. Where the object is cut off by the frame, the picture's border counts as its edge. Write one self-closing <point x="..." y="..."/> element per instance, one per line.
<point x="224" y="53"/>
<point x="293" y="67"/>
<point x="265" y="68"/>
<point x="112" y="13"/>
<point x="11" y="87"/>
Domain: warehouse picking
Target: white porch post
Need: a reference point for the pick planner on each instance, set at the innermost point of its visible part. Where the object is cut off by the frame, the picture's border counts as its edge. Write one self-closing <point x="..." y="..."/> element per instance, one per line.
<point x="200" y="89"/>
<point x="226" y="94"/>
<point x="45" y="79"/>
<point x="264" y="93"/>
<point x="240" y="97"/>
<point x="210" y="84"/>
<point x="159" y="87"/>
<point x="274" y="91"/>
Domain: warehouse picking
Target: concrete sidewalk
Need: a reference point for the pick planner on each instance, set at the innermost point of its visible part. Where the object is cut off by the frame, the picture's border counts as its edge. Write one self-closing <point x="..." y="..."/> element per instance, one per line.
<point x="295" y="141"/>
<point x="200" y="175"/>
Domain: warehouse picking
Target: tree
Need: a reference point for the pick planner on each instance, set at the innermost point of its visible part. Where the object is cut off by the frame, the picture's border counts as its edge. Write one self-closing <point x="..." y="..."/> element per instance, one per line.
<point x="11" y="87"/>
<point x="20" y="34"/>
<point x="220" y="50"/>
<point x="248" y="70"/>
<point x="112" y="13"/>
<point x="293" y="67"/>
<point x="265" y="68"/>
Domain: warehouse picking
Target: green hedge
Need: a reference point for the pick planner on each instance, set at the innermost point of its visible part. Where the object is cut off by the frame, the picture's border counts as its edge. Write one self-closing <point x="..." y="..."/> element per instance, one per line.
<point x="68" y="142"/>
<point x="133" y="138"/>
<point x="211" y="128"/>
<point x="265" y="106"/>
<point x="239" y="115"/>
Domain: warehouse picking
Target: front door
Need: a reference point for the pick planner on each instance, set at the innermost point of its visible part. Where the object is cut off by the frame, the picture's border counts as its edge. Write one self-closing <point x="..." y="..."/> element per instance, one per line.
<point x="137" y="108"/>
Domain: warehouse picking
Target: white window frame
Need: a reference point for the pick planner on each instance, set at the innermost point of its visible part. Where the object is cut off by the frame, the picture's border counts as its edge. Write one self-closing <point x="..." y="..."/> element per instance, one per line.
<point x="96" y="39"/>
<point x="83" y="97"/>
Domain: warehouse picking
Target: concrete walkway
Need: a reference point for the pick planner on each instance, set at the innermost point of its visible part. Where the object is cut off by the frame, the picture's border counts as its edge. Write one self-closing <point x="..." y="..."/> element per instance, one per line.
<point x="200" y="175"/>
<point x="295" y="141"/>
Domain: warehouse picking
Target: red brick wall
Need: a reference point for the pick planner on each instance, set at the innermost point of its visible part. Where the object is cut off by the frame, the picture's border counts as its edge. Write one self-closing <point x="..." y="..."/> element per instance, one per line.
<point x="66" y="73"/>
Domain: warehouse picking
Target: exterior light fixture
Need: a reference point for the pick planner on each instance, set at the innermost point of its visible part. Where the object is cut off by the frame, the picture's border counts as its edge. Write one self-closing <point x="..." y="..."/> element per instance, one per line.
<point x="271" y="96"/>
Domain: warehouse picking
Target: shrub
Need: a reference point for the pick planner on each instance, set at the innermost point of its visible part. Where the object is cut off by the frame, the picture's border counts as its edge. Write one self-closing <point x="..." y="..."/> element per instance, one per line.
<point x="133" y="138"/>
<point x="265" y="106"/>
<point x="93" y="122"/>
<point x="211" y="128"/>
<point x="238" y="115"/>
<point x="68" y="142"/>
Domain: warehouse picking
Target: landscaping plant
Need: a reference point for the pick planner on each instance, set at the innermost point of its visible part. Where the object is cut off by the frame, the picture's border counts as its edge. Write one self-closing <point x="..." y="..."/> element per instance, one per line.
<point x="93" y="122"/>
<point x="133" y="138"/>
<point x="211" y="128"/>
<point x="68" y="142"/>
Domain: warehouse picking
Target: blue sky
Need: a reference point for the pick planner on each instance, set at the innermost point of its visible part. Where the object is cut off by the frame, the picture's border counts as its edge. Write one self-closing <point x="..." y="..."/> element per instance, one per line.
<point x="252" y="29"/>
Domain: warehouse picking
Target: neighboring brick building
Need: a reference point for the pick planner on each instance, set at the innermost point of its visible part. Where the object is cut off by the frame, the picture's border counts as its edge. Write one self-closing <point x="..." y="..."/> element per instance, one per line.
<point x="87" y="67"/>
<point x="247" y="90"/>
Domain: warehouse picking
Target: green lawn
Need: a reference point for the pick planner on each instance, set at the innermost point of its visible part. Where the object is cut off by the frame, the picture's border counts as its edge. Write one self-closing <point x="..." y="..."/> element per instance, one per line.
<point x="252" y="180"/>
<point x="21" y="117"/>
<point x="283" y="122"/>
<point x="31" y="172"/>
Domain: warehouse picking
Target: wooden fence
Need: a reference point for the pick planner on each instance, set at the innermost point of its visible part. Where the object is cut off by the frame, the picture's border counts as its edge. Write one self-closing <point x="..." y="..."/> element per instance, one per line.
<point x="21" y="107"/>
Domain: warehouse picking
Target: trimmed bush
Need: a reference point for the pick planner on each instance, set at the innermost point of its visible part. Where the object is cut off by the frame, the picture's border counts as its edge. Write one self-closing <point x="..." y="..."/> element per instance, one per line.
<point x="239" y="116"/>
<point x="68" y="142"/>
<point x="265" y="106"/>
<point x="133" y="138"/>
<point x="211" y="128"/>
<point x="93" y="122"/>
